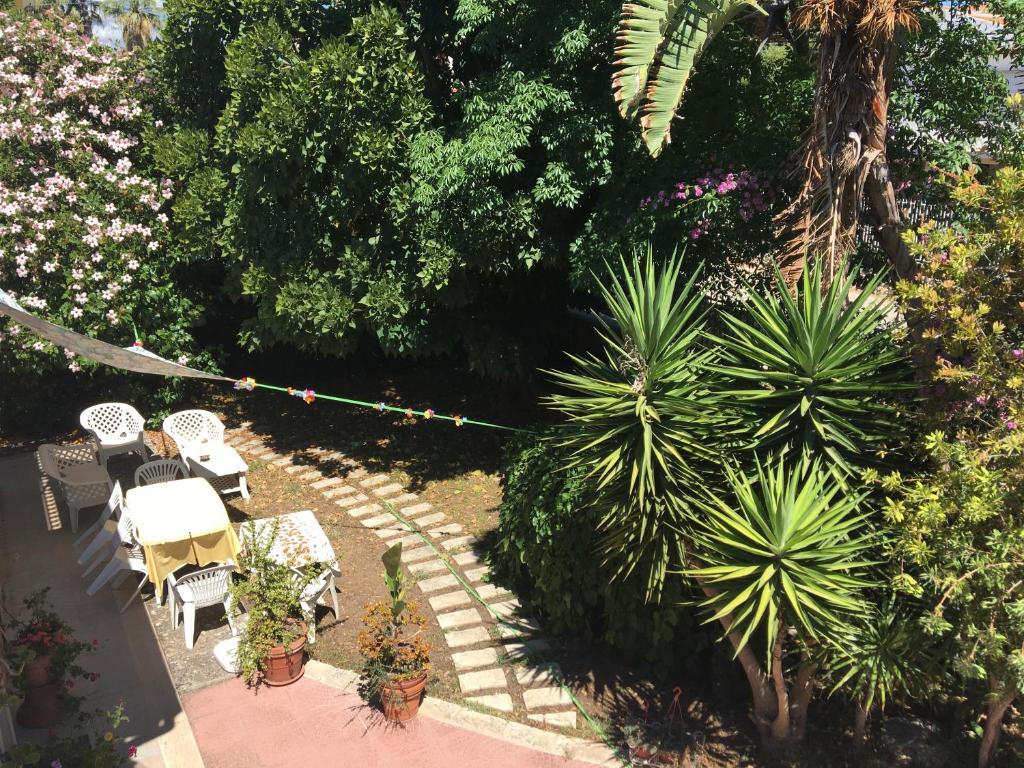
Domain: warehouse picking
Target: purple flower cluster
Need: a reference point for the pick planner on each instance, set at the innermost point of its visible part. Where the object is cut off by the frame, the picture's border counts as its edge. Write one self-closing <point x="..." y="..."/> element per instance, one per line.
<point x="749" y="190"/>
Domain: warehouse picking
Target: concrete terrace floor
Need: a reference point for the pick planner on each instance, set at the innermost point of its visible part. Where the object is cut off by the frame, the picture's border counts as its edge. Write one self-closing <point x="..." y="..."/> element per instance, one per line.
<point x="36" y="551"/>
<point x="318" y="721"/>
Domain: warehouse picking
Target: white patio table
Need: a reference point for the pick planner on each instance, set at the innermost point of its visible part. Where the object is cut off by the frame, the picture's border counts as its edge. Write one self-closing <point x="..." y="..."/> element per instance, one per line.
<point x="179" y="523"/>
<point x="300" y="541"/>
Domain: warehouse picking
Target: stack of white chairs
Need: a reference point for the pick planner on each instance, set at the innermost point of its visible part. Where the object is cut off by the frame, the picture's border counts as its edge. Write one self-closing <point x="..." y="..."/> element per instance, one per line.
<point x="102" y="535"/>
<point x="128" y="557"/>
<point x="83" y="481"/>
<point x="117" y="427"/>
<point x="200" y="589"/>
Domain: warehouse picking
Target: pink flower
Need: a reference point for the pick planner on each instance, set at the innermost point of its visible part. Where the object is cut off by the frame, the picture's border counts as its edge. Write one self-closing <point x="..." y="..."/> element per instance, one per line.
<point x="1017" y="353"/>
<point x="1011" y="424"/>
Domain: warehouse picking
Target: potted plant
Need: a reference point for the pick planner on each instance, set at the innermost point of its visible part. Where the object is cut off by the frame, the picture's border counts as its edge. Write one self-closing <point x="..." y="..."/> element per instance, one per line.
<point x="394" y="647"/>
<point x="271" y="647"/>
<point x="46" y="651"/>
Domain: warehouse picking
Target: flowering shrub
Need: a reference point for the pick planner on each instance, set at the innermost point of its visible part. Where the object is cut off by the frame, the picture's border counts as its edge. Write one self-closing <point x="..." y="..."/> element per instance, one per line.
<point x="957" y="522"/>
<point x="83" y="228"/>
<point x="91" y="745"/>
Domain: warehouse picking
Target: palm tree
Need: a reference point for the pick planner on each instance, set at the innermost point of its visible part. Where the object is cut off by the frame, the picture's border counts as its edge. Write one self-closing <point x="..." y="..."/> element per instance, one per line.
<point x="844" y="157"/>
<point x="138" y="20"/>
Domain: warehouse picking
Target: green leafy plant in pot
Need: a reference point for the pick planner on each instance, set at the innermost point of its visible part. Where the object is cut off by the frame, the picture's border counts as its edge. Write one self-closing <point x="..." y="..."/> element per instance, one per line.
<point x="271" y="647"/>
<point x="394" y="647"/>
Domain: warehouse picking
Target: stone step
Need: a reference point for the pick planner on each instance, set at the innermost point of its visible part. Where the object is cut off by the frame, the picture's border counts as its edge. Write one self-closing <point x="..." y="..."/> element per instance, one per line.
<point x="565" y="719"/>
<point x="466" y="559"/>
<point x="507" y="609"/>
<point x="428" y="567"/>
<point x="310" y="475"/>
<point x="389" y="531"/>
<point x="389" y="490"/>
<point x="284" y="461"/>
<point x="372" y="522"/>
<point x="351" y="501"/>
<point x="415" y="509"/>
<point x="405" y="498"/>
<point x="478" y="574"/>
<point x="376" y="480"/>
<point x="462" y="541"/>
<point x="409" y="541"/>
<point x="527" y="648"/>
<point x="460" y="638"/>
<point x="417" y="554"/>
<point x="327" y="482"/>
<point x="489" y="592"/>
<point x="444" y="581"/>
<point x="483" y="657"/>
<point x="445" y="530"/>
<point x="501" y="702"/>
<point x="455" y="619"/>
<point x="296" y="468"/>
<point x="455" y="599"/>
<point x="483" y="680"/>
<point x="338" y="490"/>
<point x="543" y="674"/>
<point x="426" y="520"/>
<point x="537" y="698"/>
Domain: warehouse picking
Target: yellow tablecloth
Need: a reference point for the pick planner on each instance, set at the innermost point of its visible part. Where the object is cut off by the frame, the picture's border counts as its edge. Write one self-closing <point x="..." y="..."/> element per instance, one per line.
<point x="179" y="523"/>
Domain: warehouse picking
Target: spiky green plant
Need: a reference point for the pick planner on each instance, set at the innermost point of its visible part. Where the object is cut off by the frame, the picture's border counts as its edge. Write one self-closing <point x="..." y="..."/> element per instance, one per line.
<point x="781" y="549"/>
<point x="640" y="417"/>
<point x="881" y="656"/>
<point x="138" y="20"/>
<point x="810" y="374"/>
<point x="659" y="41"/>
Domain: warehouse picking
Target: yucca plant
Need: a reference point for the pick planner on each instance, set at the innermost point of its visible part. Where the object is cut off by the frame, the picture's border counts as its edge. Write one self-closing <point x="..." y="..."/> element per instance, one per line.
<point x="138" y="20"/>
<point x="810" y="374"/>
<point x="880" y="657"/>
<point x="781" y="559"/>
<point x="641" y="421"/>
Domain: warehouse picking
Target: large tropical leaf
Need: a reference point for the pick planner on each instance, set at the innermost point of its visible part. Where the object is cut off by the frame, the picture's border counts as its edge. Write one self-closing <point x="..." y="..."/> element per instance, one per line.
<point x="659" y="42"/>
<point x="640" y="417"/>
<point x="782" y="548"/>
<point x="811" y="373"/>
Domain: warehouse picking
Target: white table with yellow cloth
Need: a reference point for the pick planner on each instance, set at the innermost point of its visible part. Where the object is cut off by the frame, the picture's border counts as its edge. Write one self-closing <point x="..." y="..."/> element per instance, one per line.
<point x="180" y="523"/>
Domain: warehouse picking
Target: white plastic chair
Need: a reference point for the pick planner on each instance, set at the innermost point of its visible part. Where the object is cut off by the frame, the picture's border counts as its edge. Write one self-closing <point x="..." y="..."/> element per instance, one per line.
<point x="103" y="531"/>
<point x="83" y="482"/>
<point x="128" y="558"/>
<point x="118" y="429"/>
<point x="199" y="437"/>
<point x="160" y="471"/>
<point x="313" y="595"/>
<point x="200" y="589"/>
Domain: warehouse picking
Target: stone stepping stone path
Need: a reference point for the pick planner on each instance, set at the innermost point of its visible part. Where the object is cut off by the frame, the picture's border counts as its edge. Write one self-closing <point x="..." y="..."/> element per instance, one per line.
<point x="489" y="648"/>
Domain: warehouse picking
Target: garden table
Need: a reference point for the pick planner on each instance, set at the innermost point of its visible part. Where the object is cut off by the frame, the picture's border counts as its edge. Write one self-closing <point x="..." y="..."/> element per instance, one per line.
<point x="180" y="523"/>
<point x="300" y="541"/>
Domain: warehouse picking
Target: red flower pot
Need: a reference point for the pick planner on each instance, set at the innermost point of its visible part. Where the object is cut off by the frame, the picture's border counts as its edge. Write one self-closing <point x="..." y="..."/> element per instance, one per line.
<point x="400" y="699"/>
<point x="42" y="707"/>
<point x="285" y="665"/>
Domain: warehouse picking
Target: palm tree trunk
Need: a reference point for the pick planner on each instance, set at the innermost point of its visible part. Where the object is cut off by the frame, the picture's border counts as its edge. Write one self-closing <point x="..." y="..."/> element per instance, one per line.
<point x="844" y="155"/>
<point x="800" y="698"/>
<point x="860" y="722"/>
<point x="780" y="731"/>
<point x="997" y="706"/>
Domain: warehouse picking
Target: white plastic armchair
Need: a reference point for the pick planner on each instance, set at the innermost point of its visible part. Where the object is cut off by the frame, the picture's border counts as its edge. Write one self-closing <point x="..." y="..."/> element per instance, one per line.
<point x="118" y="429"/>
<point x="128" y="558"/>
<point x="313" y="595"/>
<point x="160" y="471"/>
<point x="210" y="586"/>
<point x="83" y="482"/>
<point x="199" y="436"/>
<point x="103" y="533"/>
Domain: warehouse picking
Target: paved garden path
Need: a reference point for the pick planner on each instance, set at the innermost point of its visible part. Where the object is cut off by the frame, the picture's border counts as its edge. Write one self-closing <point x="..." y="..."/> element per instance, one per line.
<point x="489" y="640"/>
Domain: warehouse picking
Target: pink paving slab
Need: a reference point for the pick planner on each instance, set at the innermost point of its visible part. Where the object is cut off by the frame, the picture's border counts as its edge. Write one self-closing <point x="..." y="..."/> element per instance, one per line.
<point x="311" y="724"/>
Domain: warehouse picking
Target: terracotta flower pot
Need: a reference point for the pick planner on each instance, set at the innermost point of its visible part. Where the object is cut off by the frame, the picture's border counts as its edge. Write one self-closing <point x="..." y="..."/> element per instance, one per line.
<point x="42" y="705"/>
<point x="400" y="699"/>
<point x="285" y="665"/>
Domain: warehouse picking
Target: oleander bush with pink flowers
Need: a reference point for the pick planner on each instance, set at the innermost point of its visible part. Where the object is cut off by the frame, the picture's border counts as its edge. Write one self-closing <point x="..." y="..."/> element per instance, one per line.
<point x="84" y="230"/>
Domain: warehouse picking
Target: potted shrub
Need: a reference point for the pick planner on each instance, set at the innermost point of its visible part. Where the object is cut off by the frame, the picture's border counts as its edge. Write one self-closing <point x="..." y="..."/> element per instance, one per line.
<point x="271" y="648"/>
<point x="46" y="651"/>
<point x="394" y="647"/>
